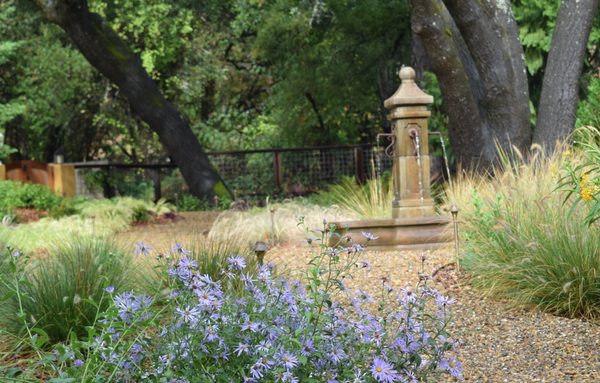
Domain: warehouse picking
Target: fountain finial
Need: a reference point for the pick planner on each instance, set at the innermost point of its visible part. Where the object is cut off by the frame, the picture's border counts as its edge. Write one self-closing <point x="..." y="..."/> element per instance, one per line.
<point x="409" y="92"/>
<point x="407" y="74"/>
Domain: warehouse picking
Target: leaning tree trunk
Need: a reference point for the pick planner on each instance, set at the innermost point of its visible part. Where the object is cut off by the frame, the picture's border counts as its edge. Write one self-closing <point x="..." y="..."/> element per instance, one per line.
<point x="109" y="54"/>
<point x="473" y="48"/>
<point x="558" y="101"/>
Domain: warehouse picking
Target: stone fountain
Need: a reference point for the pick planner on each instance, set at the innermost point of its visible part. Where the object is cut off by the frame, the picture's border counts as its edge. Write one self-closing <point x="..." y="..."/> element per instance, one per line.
<point x="414" y="223"/>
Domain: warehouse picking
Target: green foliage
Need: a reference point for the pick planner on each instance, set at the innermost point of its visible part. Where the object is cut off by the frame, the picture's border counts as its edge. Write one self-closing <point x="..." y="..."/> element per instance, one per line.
<point x="372" y="200"/>
<point x="582" y="178"/>
<point x="326" y="57"/>
<point x="188" y="202"/>
<point x="65" y="208"/>
<point x="159" y="31"/>
<point x="536" y="21"/>
<point x="64" y="292"/>
<point x="26" y="195"/>
<point x="588" y="111"/>
<point x="523" y="244"/>
<point x="102" y="217"/>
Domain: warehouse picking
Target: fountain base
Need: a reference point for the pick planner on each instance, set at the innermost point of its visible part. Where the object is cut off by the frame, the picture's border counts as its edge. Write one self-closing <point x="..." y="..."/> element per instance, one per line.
<point x="411" y="233"/>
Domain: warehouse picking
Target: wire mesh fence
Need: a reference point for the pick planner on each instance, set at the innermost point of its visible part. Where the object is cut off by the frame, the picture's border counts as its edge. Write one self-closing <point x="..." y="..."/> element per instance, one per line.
<point x="294" y="171"/>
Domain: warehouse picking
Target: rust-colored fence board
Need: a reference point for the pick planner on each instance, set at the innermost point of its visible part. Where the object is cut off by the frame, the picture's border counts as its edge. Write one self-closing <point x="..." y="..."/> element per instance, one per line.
<point x="60" y="178"/>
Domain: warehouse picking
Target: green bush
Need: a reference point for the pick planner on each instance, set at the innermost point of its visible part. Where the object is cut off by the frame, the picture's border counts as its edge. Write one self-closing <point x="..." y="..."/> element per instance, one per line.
<point x="65" y="208"/>
<point x="25" y="195"/>
<point x="63" y="292"/>
<point x="523" y="243"/>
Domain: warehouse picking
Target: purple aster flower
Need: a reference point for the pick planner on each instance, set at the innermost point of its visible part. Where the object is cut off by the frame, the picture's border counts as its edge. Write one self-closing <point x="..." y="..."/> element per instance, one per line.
<point x="408" y="296"/>
<point x="16" y="253"/>
<point x="236" y="262"/>
<point x="264" y="363"/>
<point x="109" y="289"/>
<point x="242" y="348"/>
<point x="189" y="315"/>
<point x="289" y="377"/>
<point x="307" y="347"/>
<point x="178" y="249"/>
<point x="263" y="346"/>
<point x="127" y="304"/>
<point x="336" y="355"/>
<point x="453" y="366"/>
<point x="383" y="371"/>
<point x="249" y="325"/>
<point x="211" y="333"/>
<point x="142" y="248"/>
<point x="187" y="263"/>
<point x="443" y="301"/>
<point x="287" y="360"/>
<point x="369" y="236"/>
<point x="78" y="363"/>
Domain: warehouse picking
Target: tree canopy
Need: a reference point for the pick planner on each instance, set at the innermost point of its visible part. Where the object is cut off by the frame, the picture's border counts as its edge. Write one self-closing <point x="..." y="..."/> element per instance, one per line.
<point x="264" y="73"/>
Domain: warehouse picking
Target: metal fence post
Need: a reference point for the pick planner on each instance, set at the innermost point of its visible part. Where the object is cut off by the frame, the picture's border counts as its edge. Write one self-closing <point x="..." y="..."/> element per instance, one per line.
<point x="157" y="186"/>
<point x="277" y="169"/>
<point x="359" y="166"/>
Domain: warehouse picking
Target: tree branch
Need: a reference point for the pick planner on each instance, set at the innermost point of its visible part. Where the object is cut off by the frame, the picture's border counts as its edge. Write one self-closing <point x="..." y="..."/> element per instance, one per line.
<point x="109" y="54"/>
<point x="558" y="101"/>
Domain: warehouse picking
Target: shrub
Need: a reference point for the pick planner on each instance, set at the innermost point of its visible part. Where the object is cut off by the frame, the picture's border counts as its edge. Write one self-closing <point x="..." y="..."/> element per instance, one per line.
<point x="63" y="293"/>
<point x="25" y="195"/>
<point x="188" y="202"/>
<point x="522" y="243"/>
<point x="65" y="208"/>
<point x="279" y="330"/>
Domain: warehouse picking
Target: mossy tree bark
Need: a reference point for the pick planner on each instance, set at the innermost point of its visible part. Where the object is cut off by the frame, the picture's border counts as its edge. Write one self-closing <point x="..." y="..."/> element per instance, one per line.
<point x="111" y="56"/>
<point x="473" y="48"/>
<point x="560" y="89"/>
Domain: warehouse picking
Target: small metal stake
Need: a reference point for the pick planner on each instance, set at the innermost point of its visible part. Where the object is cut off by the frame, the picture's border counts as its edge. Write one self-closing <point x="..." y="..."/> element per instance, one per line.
<point x="454" y="211"/>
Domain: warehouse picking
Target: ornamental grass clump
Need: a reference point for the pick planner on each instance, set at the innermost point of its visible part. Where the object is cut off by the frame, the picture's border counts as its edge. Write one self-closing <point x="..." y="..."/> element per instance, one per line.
<point x="278" y="330"/>
<point x="61" y="293"/>
<point x="523" y="243"/>
<point x="371" y="200"/>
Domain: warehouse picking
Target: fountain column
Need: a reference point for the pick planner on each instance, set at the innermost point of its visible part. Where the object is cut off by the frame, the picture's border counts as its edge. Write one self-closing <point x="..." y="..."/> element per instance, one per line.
<point x="408" y="114"/>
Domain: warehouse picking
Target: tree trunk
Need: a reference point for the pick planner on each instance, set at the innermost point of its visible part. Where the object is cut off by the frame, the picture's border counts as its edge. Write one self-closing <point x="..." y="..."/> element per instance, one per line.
<point x="109" y="54"/>
<point x="474" y="50"/>
<point x="558" y="101"/>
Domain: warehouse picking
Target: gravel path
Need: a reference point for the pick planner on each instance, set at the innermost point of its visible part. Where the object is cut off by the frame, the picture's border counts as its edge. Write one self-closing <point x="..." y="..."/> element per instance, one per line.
<point x="499" y="343"/>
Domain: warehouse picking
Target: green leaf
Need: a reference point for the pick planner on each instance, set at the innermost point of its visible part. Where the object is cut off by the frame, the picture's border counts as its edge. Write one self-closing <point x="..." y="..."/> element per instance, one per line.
<point x="534" y="60"/>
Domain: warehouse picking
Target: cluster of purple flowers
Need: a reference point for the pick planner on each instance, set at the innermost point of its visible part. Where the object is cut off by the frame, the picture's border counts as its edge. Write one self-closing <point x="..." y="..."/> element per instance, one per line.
<point x="277" y="330"/>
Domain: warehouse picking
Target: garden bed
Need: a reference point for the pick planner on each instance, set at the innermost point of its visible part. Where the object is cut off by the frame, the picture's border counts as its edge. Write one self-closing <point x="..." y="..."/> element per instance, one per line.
<point x="499" y="343"/>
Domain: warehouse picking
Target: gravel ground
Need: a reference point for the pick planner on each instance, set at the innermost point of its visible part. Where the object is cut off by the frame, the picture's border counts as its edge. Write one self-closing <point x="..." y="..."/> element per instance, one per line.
<point x="498" y="343"/>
